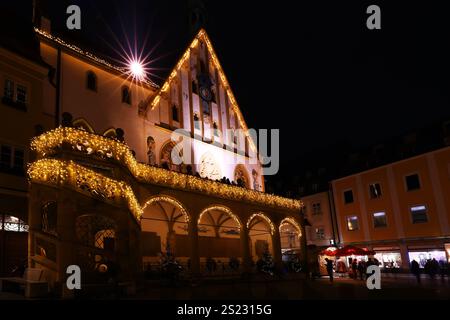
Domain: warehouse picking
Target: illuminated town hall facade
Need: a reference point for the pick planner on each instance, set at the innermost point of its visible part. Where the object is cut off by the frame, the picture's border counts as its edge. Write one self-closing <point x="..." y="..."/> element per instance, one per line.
<point x="104" y="186"/>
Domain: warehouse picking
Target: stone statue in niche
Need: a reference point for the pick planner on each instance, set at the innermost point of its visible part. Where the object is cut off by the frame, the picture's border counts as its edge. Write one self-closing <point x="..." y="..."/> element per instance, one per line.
<point x="151" y="149"/>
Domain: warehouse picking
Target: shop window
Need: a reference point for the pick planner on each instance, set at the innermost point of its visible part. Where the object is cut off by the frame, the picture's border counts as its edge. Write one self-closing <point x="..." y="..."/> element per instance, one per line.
<point x="379" y="219"/>
<point x="352" y="223"/>
<point x="412" y="182"/>
<point x="91" y="81"/>
<point x="126" y="95"/>
<point x="348" y="196"/>
<point x="422" y="257"/>
<point x="316" y="208"/>
<point x="419" y="214"/>
<point x="375" y="190"/>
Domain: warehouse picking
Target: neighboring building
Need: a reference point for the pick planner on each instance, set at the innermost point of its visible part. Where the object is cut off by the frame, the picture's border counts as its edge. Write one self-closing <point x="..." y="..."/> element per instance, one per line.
<point x="401" y="210"/>
<point x="22" y="116"/>
<point x="318" y="212"/>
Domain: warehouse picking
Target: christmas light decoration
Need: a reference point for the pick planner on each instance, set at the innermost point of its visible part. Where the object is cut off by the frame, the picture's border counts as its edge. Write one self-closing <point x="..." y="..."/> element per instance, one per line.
<point x="202" y="36"/>
<point x="292" y="222"/>
<point x="223" y="209"/>
<point x="123" y="70"/>
<point x="100" y="147"/>
<point x="170" y="200"/>
<point x="263" y="217"/>
<point x="68" y="174"/>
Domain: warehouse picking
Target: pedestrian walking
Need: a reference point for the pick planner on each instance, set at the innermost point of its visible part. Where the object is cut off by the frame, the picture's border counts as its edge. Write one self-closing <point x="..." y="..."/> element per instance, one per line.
<point x="415" y="270"/>
<point x="329" y="266"/>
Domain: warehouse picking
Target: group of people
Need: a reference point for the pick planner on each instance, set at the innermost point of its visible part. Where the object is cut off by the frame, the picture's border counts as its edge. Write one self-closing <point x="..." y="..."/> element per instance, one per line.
<point x="356" y="270"/>
<point x="431" y="267"/>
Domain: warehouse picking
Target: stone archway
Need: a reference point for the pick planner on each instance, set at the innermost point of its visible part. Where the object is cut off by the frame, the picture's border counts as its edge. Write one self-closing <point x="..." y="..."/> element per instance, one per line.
<point x="219" y="232"/>
<point x="165" y="229"/>
<point x="260" y="233"/>
<point x="290" y="234"/>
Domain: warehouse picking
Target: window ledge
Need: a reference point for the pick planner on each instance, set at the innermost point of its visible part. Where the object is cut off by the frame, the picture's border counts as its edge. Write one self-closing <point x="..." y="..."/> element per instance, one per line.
<point x="14" y="104"/>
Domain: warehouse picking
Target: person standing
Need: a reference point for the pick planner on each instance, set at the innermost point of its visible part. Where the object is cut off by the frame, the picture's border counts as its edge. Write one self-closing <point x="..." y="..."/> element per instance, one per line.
<point x="355" y="269"/>
<point x="329" y="265"/>
<point x="415" y="269"/>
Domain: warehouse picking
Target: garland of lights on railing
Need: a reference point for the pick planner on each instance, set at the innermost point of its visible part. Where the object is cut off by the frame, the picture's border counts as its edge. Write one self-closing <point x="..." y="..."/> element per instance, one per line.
<point x="74" y="176"/>
<point x="101" y="147"/>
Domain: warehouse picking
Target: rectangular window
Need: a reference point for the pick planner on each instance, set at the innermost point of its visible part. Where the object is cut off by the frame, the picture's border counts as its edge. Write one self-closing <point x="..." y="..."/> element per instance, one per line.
<point x="5" y="157"/>
<point x="348" y="196"/>
<point x="352" y="223"/>
<point x="379" y="219"/>
<point x="9" y="89"/>
<point x="18" y="160"/>
<point x="412" y="182"/>
<point x="374" y="190"/>
<point x="21" y="96"/>
<point x="316" y="208"/>
<point x="320" y="233"/>
<point x="419" y="214"/>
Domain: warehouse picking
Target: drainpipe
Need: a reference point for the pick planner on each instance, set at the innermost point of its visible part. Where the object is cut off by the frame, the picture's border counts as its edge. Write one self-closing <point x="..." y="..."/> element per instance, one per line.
<point x="58" y="89"/>
<point x="333" y="215"/>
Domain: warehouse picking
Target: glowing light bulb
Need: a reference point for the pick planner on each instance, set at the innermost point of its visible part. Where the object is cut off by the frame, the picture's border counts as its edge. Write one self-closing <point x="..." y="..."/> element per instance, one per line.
<point x="137" y="70"/>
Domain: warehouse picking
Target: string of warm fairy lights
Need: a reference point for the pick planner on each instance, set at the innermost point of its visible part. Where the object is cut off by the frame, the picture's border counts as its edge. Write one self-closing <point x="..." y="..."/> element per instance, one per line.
<point x="88" y="55"/>
<point x="202" y="35"/>
<point x="170" y="200"/>
<point x="101" y="147"/>
<point x="68" y="174"/>
<point x="265" y="218"/>
<point x="291" y="221"/>
<point x="223" y="209"/>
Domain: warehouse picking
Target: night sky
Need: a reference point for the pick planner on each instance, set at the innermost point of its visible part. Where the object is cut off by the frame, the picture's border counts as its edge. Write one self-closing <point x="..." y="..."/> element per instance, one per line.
<point x="313" y="70"/>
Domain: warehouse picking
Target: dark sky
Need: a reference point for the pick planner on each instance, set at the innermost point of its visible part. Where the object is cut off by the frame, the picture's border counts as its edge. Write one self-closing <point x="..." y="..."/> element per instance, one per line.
<point x="310" y="68"/>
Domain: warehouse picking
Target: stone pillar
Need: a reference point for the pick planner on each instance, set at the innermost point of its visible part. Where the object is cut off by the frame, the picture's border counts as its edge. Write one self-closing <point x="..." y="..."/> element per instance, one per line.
<point x="245" y="249"/>
<point x="276" y="245"/>
<point x="195" y="257"/>
<point x="65" y="228"/>
<point x="303" y="245"/>
<point x="405" y="256"/>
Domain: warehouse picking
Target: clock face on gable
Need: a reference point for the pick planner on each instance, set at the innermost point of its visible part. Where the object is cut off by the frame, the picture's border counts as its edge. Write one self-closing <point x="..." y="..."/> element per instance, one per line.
<point x="208" y="167"/>
<point x="205" y="93"/>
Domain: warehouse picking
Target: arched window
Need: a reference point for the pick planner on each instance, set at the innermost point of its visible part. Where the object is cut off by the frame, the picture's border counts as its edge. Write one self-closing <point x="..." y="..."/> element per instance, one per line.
<point x="241" y="176"/>
<point x="91" y="81"/>
<point x="126" y="95"/>
<point x="175" y="113"/>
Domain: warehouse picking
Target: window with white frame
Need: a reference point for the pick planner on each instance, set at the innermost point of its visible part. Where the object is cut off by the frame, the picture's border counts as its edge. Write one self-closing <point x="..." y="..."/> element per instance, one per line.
<point x="320" y="233"/>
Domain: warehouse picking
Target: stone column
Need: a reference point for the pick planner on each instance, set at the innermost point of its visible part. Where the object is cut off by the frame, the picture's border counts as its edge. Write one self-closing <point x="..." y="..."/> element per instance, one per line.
<point x="245" y="249"/>
<point x="276" y="245"/>
<point x="194" y="257"/>
<point x="65" y="228"/>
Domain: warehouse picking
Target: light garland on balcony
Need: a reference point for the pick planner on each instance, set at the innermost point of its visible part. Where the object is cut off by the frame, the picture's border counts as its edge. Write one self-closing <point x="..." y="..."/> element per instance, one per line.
<point x="202" y="36"/>
<point x="88" y="55"/>
<point x="263" y="217"/>
<point x="108" y="149"/>
<point x="293" y="222"/>
<point x="73" y="176"/>
<point x="223" y="209"/>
